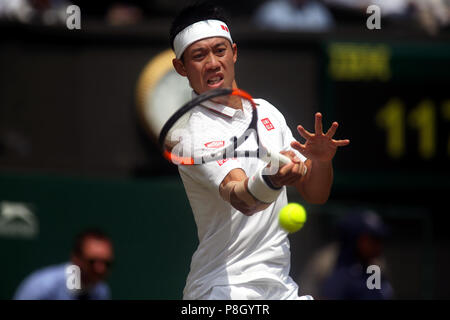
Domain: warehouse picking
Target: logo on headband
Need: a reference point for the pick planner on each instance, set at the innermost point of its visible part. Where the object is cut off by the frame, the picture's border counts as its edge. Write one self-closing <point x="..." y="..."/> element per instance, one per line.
<point x="197" y="31"/>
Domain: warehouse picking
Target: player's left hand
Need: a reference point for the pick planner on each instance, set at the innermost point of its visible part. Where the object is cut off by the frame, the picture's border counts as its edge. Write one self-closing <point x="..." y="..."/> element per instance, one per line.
<point x="319" y="146"/>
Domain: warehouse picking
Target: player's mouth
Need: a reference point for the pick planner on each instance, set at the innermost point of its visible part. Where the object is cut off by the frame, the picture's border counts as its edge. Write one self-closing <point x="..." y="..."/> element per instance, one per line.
<point x="215" y="82"/>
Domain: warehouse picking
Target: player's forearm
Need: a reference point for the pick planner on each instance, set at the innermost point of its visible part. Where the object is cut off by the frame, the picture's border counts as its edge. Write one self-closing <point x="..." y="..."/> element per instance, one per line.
<point x="315" y="187"/>
<point x="237" y="194"/>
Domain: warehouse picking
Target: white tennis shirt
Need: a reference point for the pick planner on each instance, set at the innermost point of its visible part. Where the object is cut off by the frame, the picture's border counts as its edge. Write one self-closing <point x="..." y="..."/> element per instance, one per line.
<point x="235" y="249"/>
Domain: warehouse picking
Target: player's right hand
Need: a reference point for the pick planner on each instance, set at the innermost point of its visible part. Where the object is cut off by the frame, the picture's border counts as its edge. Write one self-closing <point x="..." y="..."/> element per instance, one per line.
<point x="289" y="174"/>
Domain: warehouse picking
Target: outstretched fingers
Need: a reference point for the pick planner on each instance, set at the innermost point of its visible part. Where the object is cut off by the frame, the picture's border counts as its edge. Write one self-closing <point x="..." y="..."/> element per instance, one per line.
<point x="330" y="133"/>
<point x="318" y="123"/>
<point x="298" y="146"/>
<point x="341" y="143"/>
<point x="304" y="133"/>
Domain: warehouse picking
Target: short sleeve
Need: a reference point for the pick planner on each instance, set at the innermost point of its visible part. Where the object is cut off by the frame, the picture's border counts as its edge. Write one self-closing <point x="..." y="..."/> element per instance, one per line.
<point x="287" y="135"/>
<point x="210" y="175"/>
<point x="287" y="139"/>
<point x="285" y="131"/>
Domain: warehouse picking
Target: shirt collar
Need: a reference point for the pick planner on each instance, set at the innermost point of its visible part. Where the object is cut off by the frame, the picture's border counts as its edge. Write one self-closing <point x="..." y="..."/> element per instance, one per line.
<point x="217" y="107"/>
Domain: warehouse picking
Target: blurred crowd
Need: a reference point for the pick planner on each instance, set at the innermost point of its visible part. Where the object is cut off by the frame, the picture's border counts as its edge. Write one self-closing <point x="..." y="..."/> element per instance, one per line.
<point x="432" y="16"/>
<point x="340" y="270"/>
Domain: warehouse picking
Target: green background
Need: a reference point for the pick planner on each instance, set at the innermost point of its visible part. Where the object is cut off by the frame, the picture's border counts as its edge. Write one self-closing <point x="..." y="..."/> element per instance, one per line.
<point x="150" y="223"/>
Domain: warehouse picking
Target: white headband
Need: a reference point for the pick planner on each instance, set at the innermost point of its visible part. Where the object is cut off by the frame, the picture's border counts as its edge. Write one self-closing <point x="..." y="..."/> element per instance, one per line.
<point x="197" y="31"/>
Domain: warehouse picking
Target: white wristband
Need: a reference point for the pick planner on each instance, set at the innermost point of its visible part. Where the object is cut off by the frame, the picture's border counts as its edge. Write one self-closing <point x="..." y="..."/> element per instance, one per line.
<point x="260" y="190"/>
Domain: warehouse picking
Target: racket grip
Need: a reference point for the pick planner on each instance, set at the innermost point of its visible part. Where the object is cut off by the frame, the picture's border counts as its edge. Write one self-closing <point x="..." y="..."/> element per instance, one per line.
<point x="283" y="160"/>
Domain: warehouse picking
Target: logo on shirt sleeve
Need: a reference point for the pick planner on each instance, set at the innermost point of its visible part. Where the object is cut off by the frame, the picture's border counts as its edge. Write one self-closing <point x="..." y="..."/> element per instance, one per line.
<point x="215" y="144"/>
<point x="221" y="162"/>
<point x="266" y="122"/>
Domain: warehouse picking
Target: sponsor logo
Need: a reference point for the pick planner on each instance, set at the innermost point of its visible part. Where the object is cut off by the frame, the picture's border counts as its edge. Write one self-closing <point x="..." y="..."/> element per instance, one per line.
<point x="224" y="28"/>
<point x="215" y="144"/>
<point x="266" y="122"/>
<point x="221" y="162"/>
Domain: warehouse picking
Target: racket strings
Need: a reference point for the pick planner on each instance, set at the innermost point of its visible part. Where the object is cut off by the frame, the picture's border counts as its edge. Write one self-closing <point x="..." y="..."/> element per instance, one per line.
<point x="231" y="132"/>
<point x="204" y="134"/>
<point x="219" y="127"/>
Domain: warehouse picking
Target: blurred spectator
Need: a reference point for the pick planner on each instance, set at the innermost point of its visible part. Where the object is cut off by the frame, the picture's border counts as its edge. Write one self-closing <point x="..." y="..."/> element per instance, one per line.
<point x="48" y="12"/>
<point x="362" y="234"/>
<point x="291" y="15"/>
<point x="388" y="7"/>
<point x="93" y="253"/>
<point x="431" y="15"/>
<point x="317" y="269"/>
<point x="16" y="10"/>
<point x="120" y="14"/>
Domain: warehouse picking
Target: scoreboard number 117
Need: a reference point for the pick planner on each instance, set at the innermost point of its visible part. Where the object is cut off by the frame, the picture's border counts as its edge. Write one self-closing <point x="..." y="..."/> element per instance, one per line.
<point x="394" y="119"/>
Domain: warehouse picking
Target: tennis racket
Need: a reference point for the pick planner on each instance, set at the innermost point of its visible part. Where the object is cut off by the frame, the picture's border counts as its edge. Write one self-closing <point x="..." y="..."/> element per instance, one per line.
<point x="183" y="136"/>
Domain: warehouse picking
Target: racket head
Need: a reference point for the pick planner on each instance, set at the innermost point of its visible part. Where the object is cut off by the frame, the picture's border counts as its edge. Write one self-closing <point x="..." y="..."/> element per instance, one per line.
<point x="159" y="84"/>
<point x="181" y="137"/>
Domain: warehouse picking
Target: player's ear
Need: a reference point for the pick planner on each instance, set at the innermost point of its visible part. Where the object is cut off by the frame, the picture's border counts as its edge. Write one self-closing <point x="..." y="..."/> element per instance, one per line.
<point x="234" y="47"/>
<point x="179" y="67"/>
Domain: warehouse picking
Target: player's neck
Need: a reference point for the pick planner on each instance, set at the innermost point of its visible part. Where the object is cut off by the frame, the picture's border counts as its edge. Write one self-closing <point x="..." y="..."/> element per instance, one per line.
<point x="235" y="102"/>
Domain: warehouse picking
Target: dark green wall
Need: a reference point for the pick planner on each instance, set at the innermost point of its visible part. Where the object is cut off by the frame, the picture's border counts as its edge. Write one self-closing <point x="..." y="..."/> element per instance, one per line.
<point x="150" y="222"/>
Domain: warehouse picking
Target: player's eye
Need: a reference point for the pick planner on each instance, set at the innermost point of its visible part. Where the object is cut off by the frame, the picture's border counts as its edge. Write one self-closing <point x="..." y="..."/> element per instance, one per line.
<point x="220" y="51"/>
<point x="198" y="56"/>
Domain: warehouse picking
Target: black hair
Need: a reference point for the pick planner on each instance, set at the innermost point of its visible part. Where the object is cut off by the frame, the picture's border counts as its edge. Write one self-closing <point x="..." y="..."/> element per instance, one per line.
<point x="92" y="233"/>
<point x="194" y="13"/>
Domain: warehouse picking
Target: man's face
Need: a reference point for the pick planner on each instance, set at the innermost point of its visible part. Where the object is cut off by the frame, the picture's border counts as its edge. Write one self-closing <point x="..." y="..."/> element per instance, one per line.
<point x="95" y="260"/>
<point x="208" y="64"/>
<point x="369" y="247"/>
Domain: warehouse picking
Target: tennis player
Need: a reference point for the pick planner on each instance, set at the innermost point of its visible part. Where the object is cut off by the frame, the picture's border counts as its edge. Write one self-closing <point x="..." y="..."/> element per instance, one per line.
<point x="242" y="252"/>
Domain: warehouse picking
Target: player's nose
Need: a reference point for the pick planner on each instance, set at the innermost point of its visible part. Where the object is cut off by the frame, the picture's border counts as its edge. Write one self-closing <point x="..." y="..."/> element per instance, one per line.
<point x="212" y="62"/>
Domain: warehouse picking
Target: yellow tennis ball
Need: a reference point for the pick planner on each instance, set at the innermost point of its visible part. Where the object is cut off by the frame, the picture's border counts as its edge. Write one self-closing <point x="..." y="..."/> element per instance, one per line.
<point x="292" y="217"/>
